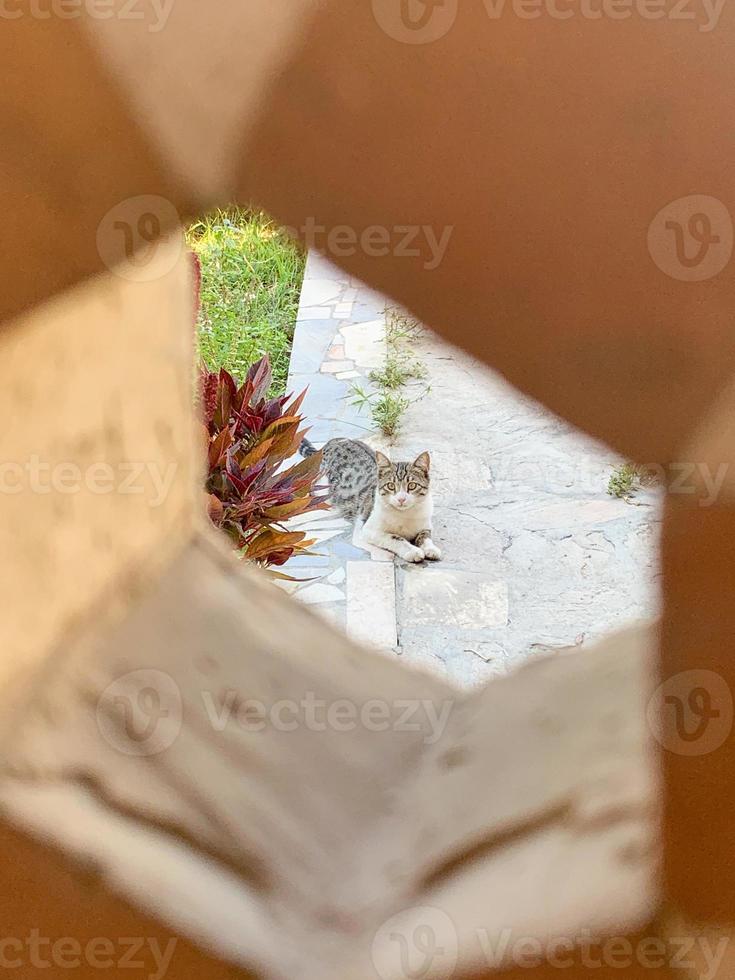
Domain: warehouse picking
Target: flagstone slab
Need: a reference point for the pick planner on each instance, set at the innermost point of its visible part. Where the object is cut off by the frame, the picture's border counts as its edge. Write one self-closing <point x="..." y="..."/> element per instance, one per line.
<point x="371" y="603"/>
<point x="317" y="292"/>
<point x="365" y="343"/>
<point x="319" y="593"/>
<point x="433" y="595"/>
<point x="537" y="557"/>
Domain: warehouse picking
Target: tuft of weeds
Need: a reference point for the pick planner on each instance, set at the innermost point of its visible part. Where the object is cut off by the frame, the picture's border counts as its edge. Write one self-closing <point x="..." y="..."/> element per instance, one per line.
<point x="387" y="404"/>
<point x="400" y="329"/>
<point x="624" y="482"/>
<point x="397" y="371"/>
<point x="387" y="412"/>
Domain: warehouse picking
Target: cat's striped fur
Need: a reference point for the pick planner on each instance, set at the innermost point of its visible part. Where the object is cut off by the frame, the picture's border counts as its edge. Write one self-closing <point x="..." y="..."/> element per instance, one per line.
<point x="393" y="499"/>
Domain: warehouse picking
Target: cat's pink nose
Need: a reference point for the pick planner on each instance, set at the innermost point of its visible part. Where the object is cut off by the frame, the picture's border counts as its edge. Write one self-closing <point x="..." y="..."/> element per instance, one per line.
<point x="402" y="498"/>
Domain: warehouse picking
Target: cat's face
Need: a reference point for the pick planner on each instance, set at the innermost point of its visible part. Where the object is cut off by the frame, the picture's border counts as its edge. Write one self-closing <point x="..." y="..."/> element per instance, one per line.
<point x="403" y="485"/>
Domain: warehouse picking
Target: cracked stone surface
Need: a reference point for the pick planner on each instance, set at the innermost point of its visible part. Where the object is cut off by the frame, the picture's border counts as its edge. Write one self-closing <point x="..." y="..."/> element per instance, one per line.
<point x="537" y="557"/>
<point x="521" y="499"/>
<point x="339" y="338"/>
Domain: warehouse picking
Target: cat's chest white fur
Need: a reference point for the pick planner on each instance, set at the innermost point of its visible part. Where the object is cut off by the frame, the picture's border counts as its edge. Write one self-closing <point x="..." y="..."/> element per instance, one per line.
<point x="405" y="523"/>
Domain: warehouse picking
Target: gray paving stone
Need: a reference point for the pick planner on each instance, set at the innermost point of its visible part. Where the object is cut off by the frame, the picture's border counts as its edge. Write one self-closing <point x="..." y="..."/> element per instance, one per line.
<point x="321" y="537"/>
<point x="333" y="612"/>
<point x="434" y="595"/>
<point x="320" y="592"/>
<point x="314" y="340"/>
<point x="315" y="312"/>
<point x="537" y="556"/>
<point x="320" y="267"/>
<point x="365" y="343"/>
<point x="371" y="604"/>
<point x="346" y="551"/>
<point x="307" y="561"/>
<point x="366" y="312"/>
<point x="337" y="367"/>
<point x="320" y="291"/>
<point x="577" y="562"/>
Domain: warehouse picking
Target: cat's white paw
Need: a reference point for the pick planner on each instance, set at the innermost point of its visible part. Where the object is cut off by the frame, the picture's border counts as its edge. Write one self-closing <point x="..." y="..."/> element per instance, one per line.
<point x="413" y="554"/>
<point x="432" y="553"/>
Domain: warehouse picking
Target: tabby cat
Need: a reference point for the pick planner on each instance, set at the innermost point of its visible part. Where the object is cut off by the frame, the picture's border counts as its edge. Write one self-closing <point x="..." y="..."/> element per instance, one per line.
<point x="393" y="499"/>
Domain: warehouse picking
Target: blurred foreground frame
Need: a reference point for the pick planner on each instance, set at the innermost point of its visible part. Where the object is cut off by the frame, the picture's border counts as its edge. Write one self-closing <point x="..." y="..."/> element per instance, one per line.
<point x="549" y="148"/>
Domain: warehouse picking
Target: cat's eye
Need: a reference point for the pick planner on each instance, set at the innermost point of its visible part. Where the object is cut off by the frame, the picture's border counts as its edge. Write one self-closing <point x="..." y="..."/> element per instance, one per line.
<point x="390" y="487"/>
<point x="413" y="486"/>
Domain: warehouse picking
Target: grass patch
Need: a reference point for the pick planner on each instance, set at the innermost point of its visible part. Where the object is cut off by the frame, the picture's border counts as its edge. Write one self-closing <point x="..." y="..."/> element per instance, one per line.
<point x="387" y="404"/>
<point x="624" y="482"/>
<point x="387" y="412"/>
<point x="251" y="281"/>
<point x="400" y="330"/>
<point x="397" y="372"/>
<point x="386" y="407"/>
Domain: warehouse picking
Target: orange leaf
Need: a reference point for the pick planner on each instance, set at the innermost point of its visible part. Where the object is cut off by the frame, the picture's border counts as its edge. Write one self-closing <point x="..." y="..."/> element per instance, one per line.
<point x="269" y="540"/>
<point x="291" y="509"/>
<point x="255" y="455"/>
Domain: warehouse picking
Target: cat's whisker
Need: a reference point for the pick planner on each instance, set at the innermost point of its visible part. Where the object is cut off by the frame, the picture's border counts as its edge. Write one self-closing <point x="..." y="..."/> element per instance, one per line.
<point x="390" y="502"/>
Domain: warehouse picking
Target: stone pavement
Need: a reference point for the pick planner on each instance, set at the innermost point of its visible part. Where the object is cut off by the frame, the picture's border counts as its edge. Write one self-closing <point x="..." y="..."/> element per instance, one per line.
<point x="536" y="555"/>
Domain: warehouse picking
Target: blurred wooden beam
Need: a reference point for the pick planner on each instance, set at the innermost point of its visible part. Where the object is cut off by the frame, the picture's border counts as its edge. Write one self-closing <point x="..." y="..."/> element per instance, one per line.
<point x="71" y="151"/>
<point x="60" y="919"/>
<point x="529" y="160"/>
<point x="98" y="470"/>
<point x="544" y="148"/>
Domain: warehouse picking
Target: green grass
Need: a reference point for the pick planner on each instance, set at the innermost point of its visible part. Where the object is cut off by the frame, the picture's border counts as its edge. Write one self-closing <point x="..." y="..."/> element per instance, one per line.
<point x="624" y="481"/>
<point x="387" y="405"/>
<point x="251" y="280"/>
<point x="397" y="371"/>
<point x="387" y="412"/>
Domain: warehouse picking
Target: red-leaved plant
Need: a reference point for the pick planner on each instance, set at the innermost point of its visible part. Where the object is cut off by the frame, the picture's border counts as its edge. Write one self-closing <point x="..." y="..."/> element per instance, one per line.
<point x="250" y="437"/>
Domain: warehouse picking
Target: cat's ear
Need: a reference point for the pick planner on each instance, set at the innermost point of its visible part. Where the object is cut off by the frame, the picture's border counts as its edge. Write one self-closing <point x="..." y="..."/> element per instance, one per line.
<point x="381" y="460"/>
<point x="423" y="462"/>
